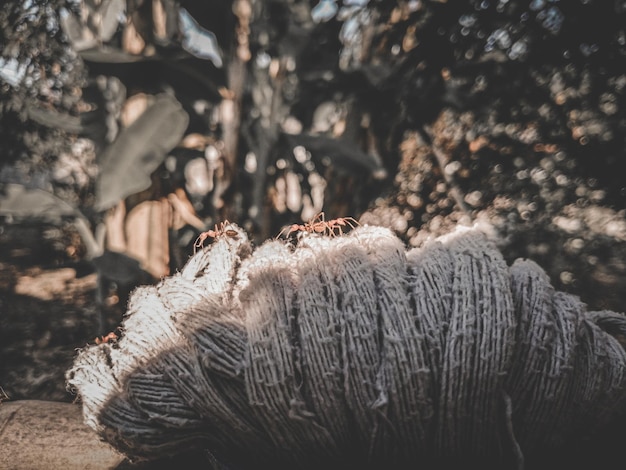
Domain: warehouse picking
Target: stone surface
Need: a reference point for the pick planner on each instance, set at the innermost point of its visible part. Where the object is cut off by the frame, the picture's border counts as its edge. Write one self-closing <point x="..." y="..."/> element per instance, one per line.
<point x="37" y="434"/>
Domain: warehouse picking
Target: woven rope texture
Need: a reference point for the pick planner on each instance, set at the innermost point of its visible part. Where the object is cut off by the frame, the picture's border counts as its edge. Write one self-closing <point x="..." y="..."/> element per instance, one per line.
<point x="351" y="348"/>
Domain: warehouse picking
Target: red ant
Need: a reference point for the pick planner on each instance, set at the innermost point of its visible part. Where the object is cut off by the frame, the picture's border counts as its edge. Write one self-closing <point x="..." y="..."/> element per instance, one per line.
<point x="219" y="229"/>
<point x="318" y="225"/>
<point x="111" y="337"/>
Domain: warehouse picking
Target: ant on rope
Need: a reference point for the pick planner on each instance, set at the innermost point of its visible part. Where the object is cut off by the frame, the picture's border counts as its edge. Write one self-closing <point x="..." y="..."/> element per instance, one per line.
<point x="218" y="230"/>
<point x="109" y="338"/>
<point x="318" y="224"/>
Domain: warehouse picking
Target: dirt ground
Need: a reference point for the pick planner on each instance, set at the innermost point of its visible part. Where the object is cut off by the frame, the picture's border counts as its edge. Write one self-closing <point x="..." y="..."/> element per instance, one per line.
<point x="49" y="309"/>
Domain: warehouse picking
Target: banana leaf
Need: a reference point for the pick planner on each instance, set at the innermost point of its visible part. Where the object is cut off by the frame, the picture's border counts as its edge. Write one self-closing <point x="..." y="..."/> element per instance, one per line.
<point x="127" y="163"/>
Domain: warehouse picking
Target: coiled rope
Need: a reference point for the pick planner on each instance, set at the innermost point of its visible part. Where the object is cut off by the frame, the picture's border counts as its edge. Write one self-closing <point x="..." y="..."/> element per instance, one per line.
<point x="352" y="348"/>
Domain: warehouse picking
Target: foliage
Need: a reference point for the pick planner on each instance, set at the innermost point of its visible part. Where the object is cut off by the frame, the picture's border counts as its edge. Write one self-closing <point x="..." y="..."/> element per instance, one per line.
<point x="412" y="111"/>
<point x="49" y="76"/>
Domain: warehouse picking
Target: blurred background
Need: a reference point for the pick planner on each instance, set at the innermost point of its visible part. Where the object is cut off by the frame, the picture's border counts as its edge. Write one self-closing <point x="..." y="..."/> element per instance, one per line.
<point x="129" y="127"/>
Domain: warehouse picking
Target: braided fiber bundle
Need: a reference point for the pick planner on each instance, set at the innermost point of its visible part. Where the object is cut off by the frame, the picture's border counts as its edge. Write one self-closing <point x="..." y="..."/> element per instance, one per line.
<point x="352" y="349"/>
